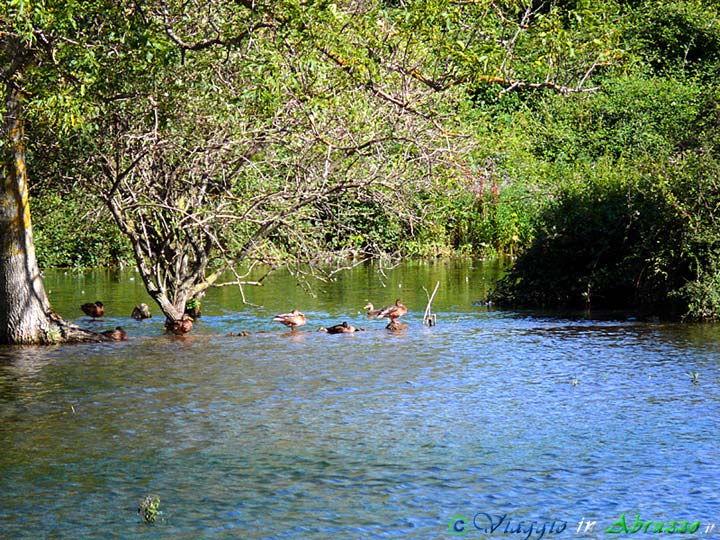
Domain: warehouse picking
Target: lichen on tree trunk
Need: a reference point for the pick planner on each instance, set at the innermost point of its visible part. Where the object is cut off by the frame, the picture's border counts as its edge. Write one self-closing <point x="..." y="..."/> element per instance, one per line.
<point x="25" y="313"/>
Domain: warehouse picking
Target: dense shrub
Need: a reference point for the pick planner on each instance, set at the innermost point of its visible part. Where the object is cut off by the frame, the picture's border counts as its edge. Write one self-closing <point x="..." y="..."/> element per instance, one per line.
<point x="69" y="232"/>
<point x="677" y="37"/>
<point x="614" y="240"/>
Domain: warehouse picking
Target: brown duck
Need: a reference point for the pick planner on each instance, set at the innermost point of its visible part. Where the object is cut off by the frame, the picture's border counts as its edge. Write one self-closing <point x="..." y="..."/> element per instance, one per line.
<point x="393" y="312"/>
<point x="241" y="333"/>
<point x="343" y="328"/>
<point x="181" y="327"/>
<point x="292" y="320"/>
<point x="371" y="311"/>
<point x="93" y="310"/>
<point x="140" y="312"/>
<point x="396" y="326"/>
<point x="115" y="335"/>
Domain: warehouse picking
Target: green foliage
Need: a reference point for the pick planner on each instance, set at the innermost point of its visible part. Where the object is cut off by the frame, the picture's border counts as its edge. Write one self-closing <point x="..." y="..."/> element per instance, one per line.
<point x="579" y="249"/>
<point x="69" y="233"/>
<point x="680" y="37"/>
<point x="690" y="184"/>
<point x="627" y="217"/>
<point x="360" y="226"/>
<point x="482" y="216"/>
<point x="581" y="135"/>
<point x="631" y="118"/>
<point x="616" y="237"/>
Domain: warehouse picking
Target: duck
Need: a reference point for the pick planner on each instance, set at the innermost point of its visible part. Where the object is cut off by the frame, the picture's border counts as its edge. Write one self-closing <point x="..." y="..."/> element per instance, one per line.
<point x="393" y="312"/>
<point x="93" y="310"/>
<point x="140" y="312"/>
<point x="371" y="311"/>
<point x="180" y="327"/>
<point x="292" y="320"/>
<point x="396" y="326"/>
<point x="343" y="328"/>
<point x="119" y="334"/>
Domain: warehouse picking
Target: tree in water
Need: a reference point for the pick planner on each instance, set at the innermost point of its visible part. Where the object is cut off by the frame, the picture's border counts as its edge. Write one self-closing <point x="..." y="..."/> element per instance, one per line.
<point x="25" y="313"/>
<point x="244" y="146"/>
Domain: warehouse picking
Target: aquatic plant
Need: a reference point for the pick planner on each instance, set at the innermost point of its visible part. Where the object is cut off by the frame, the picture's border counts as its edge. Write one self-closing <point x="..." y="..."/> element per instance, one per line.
<point x="193" y="308"/>
<point x="149" y="508"/>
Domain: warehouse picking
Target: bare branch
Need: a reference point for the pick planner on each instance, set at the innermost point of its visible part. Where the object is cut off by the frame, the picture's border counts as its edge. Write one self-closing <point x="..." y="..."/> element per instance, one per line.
<point x="231" y="41"/>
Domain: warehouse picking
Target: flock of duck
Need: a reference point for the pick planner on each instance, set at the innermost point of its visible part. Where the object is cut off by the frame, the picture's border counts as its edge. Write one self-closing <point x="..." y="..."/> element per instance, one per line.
<point x="96" y="310"/>
<point x="292" y="320"/>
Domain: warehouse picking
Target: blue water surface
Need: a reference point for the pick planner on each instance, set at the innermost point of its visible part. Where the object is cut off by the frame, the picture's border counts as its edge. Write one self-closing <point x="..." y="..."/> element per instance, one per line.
<point x="545" y="418"/>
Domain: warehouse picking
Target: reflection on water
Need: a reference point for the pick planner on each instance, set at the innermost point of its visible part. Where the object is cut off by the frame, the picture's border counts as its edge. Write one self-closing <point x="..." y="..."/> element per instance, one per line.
<point x="369" y="435"/>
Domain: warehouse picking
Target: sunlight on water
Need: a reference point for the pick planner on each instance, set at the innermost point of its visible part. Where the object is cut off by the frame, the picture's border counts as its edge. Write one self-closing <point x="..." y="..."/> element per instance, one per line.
<point x="369" y="435"/>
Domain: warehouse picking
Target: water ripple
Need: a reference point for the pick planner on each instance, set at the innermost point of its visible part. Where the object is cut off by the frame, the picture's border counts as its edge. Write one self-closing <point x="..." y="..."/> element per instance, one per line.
<point x="373" y="435"/>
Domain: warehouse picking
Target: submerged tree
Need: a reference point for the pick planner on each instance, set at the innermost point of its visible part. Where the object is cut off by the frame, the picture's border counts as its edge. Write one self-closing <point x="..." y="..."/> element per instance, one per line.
<point x="263" y="128"/>
<point x="272" y="116"/>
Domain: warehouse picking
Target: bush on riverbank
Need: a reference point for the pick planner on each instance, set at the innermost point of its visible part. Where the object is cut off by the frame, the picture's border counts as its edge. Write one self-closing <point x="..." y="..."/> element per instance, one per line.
<point x="638" y="226"/>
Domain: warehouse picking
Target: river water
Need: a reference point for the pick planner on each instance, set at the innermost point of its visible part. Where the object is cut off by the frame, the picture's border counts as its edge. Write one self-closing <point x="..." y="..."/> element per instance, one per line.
<point x="429" y="433"/>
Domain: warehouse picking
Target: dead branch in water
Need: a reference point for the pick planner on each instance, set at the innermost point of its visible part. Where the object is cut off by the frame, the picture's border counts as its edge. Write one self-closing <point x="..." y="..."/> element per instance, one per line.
<point x="429" y="318"/>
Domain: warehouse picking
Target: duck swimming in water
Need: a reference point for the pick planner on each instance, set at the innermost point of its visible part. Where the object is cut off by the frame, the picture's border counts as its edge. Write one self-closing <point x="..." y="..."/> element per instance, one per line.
<point x="140" y="312"/>
<point x="343" y="328"/>
<point x="181" y="327"/>
<point x="371" y="311"/>
<point x="292" y="320"/>
<point x="93" y="310"/>
<point x="396" y="326"/>
<point x="241" y="333"/>
<point x="115" y="335"/>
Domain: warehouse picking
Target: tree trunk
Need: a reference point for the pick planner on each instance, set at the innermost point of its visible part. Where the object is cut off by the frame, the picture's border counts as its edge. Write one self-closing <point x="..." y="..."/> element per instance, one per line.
<point x="25" y="313"/>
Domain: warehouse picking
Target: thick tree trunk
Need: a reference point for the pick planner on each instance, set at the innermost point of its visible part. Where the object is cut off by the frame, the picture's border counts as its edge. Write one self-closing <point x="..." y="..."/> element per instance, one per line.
<point x="25" y="314"/>
<point x="23" y="302"/>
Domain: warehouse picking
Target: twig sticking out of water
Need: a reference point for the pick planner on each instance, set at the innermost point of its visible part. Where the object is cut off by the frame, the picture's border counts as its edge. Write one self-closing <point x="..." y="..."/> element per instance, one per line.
<point x="429" y="318"/>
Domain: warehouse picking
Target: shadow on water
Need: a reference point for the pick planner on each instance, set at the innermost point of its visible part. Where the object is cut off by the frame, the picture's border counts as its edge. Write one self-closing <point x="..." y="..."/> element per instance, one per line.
<point x="375" y="434"/>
